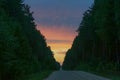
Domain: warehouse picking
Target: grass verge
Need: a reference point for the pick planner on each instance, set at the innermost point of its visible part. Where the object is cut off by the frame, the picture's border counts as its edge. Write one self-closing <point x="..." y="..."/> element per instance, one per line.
<point x="38" y="76"/>
<point x="109" y="75"/>
<point x="112" y="76"/>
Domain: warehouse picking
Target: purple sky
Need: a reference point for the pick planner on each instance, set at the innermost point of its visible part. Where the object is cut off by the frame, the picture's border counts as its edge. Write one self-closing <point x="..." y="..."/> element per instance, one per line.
<point x="58" y="21"/>
<point x="67" y="13"/>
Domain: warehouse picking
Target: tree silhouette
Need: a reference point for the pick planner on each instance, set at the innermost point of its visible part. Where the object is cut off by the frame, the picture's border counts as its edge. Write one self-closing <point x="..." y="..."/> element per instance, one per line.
<point x="97" y="45"/>
<point x="23" y="49"/>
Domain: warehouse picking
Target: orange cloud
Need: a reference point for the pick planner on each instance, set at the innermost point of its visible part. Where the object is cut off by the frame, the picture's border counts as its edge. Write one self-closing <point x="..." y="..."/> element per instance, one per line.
<point x="59" y="58"/>
<point x="57" y="48"/>
<point x="59" y="39"/>
<point x="57" y="33"/>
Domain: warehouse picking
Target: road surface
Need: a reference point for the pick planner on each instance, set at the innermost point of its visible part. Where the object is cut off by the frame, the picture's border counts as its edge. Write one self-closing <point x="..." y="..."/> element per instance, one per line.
<point x="74" y="75"/>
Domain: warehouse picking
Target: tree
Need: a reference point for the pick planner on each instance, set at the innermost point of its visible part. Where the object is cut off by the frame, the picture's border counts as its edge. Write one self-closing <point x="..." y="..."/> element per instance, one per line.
<point x="23" y="49"/>
<point x="97" y="43"/>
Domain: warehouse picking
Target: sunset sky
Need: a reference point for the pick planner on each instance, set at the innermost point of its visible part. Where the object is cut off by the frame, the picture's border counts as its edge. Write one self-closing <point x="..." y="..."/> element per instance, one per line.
<point x="58" y="21"/>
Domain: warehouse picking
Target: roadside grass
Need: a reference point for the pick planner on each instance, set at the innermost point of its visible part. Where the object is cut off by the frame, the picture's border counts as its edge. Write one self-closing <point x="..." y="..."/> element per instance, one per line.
<point x="112" y="76"/>
<point x="115" y="77"/>
<point x="105" y="73"/>
<point x="109" y="75"/>
<point x="38" y="76"/>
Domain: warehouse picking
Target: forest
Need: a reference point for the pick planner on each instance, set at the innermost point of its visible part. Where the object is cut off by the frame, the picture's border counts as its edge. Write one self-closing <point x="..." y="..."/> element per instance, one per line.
<point x="23" y="49"/>
<point x="97" y="45"/>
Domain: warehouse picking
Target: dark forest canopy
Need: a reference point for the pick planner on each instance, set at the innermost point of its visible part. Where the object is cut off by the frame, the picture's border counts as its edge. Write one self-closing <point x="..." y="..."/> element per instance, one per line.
<point x="97" y="46"/>
<point x="23" y="49"/>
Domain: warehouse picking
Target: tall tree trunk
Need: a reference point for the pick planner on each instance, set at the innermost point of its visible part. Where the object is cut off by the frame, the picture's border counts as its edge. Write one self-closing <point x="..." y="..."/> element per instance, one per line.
<point x="117" y="55"/>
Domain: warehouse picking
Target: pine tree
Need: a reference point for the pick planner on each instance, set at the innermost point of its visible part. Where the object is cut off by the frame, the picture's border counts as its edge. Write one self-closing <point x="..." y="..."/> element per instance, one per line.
<point x="23" y="49"/>
<point x="97" y="43"/>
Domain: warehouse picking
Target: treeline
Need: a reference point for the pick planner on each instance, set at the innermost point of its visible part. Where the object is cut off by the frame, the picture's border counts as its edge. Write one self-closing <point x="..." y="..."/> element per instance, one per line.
<point x="23" y="49"/>
<point x="97" y="46"/>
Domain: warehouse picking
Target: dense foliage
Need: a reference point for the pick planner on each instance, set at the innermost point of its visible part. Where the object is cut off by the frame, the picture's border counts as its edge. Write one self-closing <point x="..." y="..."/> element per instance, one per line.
<point x="97" y="46"/>
<point x="23" y="49"/>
